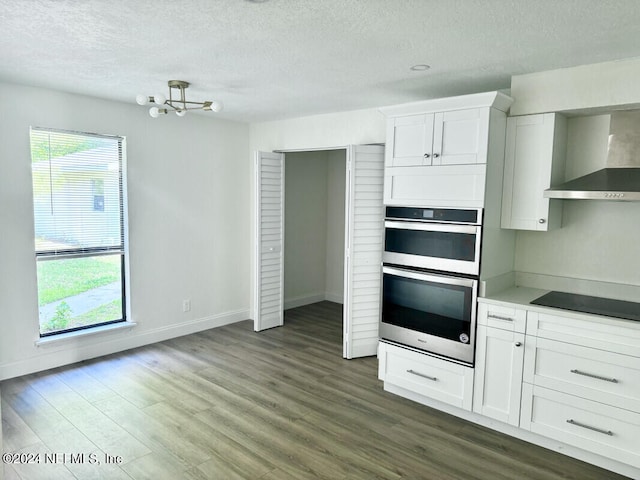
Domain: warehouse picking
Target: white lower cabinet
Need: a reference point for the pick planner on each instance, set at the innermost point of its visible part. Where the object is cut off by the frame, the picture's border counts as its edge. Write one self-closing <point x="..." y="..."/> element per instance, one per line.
<point x="602" y="429"/>
<point x="499" y="359"/>
<point x="498" y="376"/>
<point x="567" y="378"/>
<point x="578" y="388"/>
<point x="426" y="376"/>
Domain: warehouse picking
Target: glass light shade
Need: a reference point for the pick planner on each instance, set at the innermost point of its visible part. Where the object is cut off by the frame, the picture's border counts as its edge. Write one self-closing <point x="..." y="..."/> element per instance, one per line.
<point x="159" y="99"/>
<point x="142" y="99"/>
<point x="154" y="112"/>
<point x="216" y="106"/>
<point x="181" y="113"/>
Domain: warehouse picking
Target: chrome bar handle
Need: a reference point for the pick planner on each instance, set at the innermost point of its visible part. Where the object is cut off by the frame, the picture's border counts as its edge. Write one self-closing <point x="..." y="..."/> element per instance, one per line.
<point x="412" y="372"/>
<point x="589" y="427"/>
<point x="592" y="375"/>
<point x="499" y="317"/>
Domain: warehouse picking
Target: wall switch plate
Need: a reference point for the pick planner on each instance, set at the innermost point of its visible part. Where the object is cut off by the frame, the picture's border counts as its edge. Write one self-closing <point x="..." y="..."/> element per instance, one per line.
<point x="186" y="305"/>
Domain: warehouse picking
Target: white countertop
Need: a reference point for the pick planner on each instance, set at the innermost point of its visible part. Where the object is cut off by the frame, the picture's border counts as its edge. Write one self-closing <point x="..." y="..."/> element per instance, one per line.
<point x="517" y="295"/>
<point x="522" y="296"/>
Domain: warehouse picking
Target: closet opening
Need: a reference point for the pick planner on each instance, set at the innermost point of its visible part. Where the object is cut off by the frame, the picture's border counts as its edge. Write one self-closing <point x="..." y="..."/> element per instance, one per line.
<point x="314" y="231"/>
<point x="319" y="235"/>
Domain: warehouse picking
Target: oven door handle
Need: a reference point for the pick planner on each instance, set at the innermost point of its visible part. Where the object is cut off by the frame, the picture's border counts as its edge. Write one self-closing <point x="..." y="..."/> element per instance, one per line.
<point x="433" y="227"/>
<point x="428" y="277"/>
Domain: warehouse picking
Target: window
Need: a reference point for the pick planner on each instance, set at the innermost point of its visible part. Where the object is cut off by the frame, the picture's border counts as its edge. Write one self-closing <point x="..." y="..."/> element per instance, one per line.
<point x="78" y="204"/>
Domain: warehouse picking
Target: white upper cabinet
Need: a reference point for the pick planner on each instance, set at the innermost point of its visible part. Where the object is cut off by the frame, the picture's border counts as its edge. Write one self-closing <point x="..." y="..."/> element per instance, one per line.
<point x="446" y="138"/>
<point x="534" y="161"/>
<point x="410" y="141"/>
<point x="460" y="137"/>
<point x="437" y="150"/>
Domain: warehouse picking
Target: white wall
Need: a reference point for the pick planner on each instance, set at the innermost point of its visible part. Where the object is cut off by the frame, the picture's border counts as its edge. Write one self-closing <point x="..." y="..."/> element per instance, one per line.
<point x="599" y="240"/>
<point x="1" y="438"/>
<point x="305" y="244"/>
<point x="189" y="184"/>
<point x="336" y="183"/>
<point x="355" y="127"/>
<point x="598" y="86"/>
<point x="314" y="227"/>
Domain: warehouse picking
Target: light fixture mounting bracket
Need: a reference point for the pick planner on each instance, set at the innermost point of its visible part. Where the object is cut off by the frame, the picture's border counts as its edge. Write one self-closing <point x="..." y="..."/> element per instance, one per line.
<point x="178" y="84"/>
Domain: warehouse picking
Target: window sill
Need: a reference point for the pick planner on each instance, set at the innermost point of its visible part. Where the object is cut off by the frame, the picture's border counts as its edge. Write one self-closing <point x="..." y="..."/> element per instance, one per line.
<point x="70" y="336"/>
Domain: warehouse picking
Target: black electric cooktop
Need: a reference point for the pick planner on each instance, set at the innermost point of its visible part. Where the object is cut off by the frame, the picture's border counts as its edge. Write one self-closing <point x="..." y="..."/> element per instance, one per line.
<point x="588" y="304"/>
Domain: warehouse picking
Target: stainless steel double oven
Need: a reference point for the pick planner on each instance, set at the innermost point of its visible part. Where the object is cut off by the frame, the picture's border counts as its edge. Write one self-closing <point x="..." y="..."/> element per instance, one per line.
<point x="431" y="263"/>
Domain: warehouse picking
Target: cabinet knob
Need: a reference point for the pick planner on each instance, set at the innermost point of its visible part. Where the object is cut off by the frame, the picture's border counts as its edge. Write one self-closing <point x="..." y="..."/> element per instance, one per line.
<point x="518" y="344"/>
<point x="542" y="220"/>
<point x="436" y="155"/>
<point x="426" y="155"/>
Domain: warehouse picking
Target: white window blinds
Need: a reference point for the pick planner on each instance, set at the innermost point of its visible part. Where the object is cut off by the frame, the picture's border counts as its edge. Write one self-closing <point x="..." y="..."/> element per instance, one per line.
<point x="77" y="193"/>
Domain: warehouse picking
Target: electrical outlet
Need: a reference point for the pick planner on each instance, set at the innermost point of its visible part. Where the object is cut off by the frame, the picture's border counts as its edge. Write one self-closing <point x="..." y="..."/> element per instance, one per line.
<point x="186" y="306"/>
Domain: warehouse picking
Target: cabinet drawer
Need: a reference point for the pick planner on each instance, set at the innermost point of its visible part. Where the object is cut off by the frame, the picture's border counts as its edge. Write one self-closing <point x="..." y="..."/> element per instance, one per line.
<point x="428" y="376"/>
<point x="603" y="333"/>
<point x="505" y="318"/>
<point x="605" y="377"/>
<point x="601" y="429"/>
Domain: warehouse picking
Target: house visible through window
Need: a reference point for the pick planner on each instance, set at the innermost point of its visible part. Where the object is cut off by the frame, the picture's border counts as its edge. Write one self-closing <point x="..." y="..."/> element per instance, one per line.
<point x="78" y="203"/>
<point x="97" y="186"/>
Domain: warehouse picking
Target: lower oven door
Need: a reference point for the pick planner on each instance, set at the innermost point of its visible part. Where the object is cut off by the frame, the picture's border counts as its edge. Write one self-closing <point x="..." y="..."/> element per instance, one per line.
<point x="432" y="312"/>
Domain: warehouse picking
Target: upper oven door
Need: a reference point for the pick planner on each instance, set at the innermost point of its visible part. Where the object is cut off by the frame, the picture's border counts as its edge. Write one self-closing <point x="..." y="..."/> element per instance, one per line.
<point x="447" y="247"/>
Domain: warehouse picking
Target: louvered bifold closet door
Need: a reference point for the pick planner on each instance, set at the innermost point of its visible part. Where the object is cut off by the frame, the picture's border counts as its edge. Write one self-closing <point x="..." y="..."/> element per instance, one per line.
<point x="269" y="240"/>
<point x="363" y="256"/>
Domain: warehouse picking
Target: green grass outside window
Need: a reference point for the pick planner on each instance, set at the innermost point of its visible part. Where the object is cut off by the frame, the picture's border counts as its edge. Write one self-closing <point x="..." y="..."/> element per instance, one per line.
<point x="58" y="279"/>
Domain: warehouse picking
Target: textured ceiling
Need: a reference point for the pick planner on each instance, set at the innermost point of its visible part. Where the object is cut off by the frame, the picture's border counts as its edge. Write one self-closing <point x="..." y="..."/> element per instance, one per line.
<point x="289" y="58"/>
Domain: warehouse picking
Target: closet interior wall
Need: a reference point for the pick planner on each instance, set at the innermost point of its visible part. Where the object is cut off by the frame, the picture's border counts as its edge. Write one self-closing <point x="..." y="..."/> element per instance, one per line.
<point x="314" y="227"/>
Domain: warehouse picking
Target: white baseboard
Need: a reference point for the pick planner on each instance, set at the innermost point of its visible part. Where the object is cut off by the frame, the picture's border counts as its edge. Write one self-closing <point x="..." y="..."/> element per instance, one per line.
<point x="85" y="348"/>
<point x="334" y="297"/>
<point x="301" y="301"/>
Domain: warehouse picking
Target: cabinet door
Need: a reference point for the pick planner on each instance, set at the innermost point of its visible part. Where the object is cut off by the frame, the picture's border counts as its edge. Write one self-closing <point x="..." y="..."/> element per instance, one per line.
<point x="460" y="137"/>
<point x="534" y="160"/>
<point x="436" y="186"/>
<point x="498" y="379"/>
<point x="409" y="141"/>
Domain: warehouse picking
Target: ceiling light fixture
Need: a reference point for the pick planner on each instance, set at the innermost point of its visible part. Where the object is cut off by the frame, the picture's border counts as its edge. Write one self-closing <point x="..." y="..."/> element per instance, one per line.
<point x="420" y="67"/>
<point x="179" y="105"/>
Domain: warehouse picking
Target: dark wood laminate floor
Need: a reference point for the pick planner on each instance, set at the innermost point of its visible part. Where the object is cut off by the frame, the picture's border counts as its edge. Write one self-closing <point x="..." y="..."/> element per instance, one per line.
<point x="229" y="403"/>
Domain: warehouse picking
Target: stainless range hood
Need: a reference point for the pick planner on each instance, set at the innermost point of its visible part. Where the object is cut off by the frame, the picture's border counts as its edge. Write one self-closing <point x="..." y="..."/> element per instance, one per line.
<point x="620" y="179"/>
